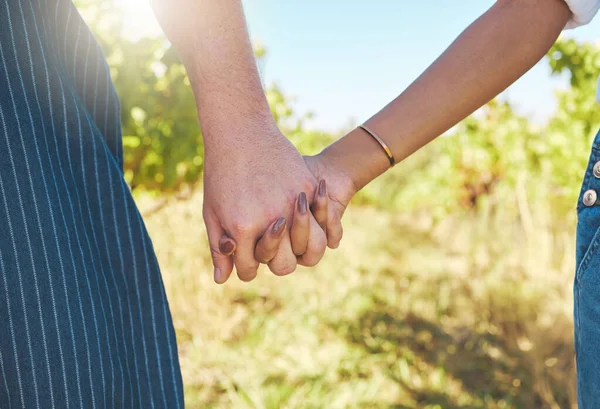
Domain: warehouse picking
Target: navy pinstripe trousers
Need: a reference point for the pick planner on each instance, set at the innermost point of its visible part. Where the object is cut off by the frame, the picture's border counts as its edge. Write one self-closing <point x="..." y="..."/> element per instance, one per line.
<point x="84" y="319"/>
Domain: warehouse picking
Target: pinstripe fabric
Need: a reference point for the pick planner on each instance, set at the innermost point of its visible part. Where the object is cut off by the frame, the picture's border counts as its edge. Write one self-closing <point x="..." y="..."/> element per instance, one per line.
<point x="84" y="319"/>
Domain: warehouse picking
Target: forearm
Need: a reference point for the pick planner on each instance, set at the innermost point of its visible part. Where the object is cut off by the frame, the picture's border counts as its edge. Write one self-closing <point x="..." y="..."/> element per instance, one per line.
<point x="212" y="39"/>
<point x="486" y="58"/>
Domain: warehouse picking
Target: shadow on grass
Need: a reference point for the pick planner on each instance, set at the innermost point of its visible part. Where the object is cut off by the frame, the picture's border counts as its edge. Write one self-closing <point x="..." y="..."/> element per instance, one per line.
<point x="472" y="370"/>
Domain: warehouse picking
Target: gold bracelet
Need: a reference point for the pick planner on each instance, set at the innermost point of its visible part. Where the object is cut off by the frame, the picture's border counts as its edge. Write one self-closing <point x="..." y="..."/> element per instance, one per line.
<point x="387" y="150"/>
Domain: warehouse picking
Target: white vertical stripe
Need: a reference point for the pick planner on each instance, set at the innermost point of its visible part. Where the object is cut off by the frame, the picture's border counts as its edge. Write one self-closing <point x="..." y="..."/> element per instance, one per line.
<point x="78" y="201"/>
<point x="117" y="124"/>
<point x="56" y="14"/>
<point x="101" y="213"/>
<point x="153" y="316"/>
<point x="137" y="291"/>
<point x="11" y="327"/>
<point x="83" y="262"/>
<point x="129" y="377"/>
<point x="69" y="246"/>
<point x="19" y="275"/>
<point x="10" y="320"/>
<point x="66" y="33"/>
<point x="2" y="370"/>
<point x="133" y="343"/>
<point x="114" y="210"/>
<point x="168" y="331"/>
<point x="74" y="48"/>
<point x="87" y="200"/>
<point x="57" y="241"/>
<point x="29" y="248"/>
<point x="118" y="141"/>
<point x="109" y="183"/>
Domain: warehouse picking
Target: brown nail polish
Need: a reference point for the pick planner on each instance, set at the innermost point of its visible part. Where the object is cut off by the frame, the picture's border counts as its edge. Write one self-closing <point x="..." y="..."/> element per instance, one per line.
<point x="279" y="226"/>
<point x="322" y="188"/>
<point x="226" y="247"/>
<point x="302" y="203"/>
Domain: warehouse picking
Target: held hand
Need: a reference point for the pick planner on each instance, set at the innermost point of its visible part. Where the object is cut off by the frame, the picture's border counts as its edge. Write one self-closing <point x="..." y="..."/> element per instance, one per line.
<point x="268" y="245"/>
<point x="299" y="231"/>
<point x="246" y="191"/>
<point x="339" y="189"/>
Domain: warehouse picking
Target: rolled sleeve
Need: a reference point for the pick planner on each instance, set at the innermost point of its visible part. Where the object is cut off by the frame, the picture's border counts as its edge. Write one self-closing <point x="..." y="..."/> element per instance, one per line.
<point x="583" y="12"/>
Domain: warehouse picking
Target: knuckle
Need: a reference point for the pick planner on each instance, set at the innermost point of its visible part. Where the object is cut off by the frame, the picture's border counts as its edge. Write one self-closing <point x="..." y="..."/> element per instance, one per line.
<point x="317" y="244"/>
<point x="337" y="234"/>
<point x="247" y="272"/>
<point x="334" y="242"/>
<point x="299" y="250"/>
<point x="291" y="197"/>
<point x="242" y="227"/>
<point x="309" y="186"/>
<point x="247" y="276"/>
<point x="263" y="257"/>
<point x="215" y="253"/>
<point x="284" y="269"/>
<point x="308" y="261"/>
<point x="246" y="265"/>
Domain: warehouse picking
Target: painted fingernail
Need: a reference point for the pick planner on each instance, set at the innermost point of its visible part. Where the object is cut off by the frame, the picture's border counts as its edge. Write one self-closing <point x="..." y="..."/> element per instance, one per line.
<point x="217" y="275"/>
<point x="279" y="226"/>
<point x="322" y="188"/>
<point x="226" y="247"/>
<point x="302" y="203"/>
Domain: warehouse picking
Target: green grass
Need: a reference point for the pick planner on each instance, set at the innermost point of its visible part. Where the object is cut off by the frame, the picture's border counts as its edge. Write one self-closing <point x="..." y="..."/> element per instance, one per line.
<point x="471" y="312"/>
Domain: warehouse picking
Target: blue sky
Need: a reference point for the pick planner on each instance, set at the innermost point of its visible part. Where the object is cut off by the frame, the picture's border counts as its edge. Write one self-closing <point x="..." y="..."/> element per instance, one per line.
<point x="347" y="59"/>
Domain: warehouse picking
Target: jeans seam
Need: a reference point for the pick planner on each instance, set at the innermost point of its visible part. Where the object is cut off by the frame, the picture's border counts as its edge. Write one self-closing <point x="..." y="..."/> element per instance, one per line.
<point x="577" y="319"/>
<point x="580" y="272"/>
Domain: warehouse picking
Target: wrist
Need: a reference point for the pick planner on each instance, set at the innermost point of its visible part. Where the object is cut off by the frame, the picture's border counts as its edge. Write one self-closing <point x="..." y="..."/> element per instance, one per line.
<point x="237" y="132"/>
<point x="244" y="144"/>
<point x="358" y="156"/>
<point x="235" y="114"/>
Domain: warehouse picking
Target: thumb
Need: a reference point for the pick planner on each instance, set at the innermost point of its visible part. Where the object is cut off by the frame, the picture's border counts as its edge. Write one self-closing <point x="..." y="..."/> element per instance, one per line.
<point x="217" y="239"/>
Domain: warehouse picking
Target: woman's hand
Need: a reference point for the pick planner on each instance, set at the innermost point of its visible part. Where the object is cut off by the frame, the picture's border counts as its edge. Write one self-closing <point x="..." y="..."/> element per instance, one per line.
<point x="339" y="189"/>
<point x="246" y="191"/>
<point x="299" y="231"/>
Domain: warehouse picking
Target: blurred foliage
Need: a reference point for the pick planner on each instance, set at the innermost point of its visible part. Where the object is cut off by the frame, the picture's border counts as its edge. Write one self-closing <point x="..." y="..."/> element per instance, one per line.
<point x="495" y="152"/>
<point x="162" y="142"/>
<point x="480" y="162"/>
<point x="163" y="149"/>
<point x="428" y="303"/>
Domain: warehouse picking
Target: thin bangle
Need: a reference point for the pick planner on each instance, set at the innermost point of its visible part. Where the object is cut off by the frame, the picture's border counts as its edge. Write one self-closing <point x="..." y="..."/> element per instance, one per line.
<point x="387" y="150"/>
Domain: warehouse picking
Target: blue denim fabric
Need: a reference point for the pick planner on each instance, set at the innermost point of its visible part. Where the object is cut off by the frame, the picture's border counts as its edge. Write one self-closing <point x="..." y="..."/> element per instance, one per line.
<point x="587" y="291"/>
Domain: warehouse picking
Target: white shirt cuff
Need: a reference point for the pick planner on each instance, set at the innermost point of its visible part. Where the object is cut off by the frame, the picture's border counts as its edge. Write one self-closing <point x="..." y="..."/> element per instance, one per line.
<point x="583" y="12"/>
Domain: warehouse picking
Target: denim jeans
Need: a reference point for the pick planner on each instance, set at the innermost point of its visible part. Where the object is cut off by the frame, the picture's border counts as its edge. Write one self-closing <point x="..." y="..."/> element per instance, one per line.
<point x="587" y="285"/>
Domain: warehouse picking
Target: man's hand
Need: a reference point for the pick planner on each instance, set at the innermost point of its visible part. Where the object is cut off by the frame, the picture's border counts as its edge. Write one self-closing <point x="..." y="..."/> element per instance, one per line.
<point x="246" y="191"/>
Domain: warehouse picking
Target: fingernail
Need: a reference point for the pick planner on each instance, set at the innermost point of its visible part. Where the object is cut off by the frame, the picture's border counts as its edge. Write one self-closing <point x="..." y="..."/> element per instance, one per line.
<point x="217" y="275"/>
<point x="279" y="226"/>
<point x="226" y="247"/>
<point x="322" y="188"/>
<point x="302" y="203"/>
